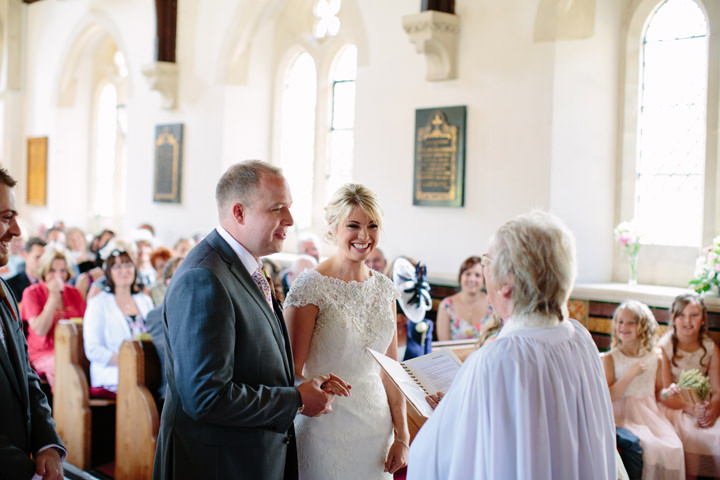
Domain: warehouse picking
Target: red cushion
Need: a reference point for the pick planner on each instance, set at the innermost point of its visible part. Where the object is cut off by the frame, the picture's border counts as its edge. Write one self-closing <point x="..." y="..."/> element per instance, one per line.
<point x="100" y="392"/>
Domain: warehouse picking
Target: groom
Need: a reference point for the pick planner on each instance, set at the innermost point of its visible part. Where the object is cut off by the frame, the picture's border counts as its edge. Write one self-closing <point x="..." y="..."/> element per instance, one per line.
<point x="230" y="399"/>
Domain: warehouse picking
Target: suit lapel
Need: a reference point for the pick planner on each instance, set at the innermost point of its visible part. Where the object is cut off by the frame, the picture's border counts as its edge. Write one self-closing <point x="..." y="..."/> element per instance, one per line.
<point x="9" y="358"/>
<point x="241" y="274"/>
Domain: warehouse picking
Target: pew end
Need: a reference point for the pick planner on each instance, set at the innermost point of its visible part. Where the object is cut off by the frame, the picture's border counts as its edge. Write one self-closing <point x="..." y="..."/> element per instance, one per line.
<point x="138" y="419"/>
<point x="72" y="406"/>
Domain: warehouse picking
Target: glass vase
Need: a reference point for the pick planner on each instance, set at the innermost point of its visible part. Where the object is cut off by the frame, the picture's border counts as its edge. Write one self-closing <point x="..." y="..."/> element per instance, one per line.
<point x="632" y="270"/>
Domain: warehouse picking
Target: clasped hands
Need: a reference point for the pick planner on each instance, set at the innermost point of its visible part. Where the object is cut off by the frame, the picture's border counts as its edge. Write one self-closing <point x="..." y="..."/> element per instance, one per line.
<point x="318" y="394"/>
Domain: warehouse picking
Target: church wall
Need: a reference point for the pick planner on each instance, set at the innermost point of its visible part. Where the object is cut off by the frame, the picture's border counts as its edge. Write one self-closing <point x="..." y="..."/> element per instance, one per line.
<point x="522" y="98"/>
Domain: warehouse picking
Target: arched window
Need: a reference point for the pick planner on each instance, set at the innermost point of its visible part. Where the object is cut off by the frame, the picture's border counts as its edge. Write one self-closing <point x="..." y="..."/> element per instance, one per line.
<point x="297" y="137"/>
<point x="341" y="139"/>
<point x="103" y="183"/>
<point x="672" y="124"/>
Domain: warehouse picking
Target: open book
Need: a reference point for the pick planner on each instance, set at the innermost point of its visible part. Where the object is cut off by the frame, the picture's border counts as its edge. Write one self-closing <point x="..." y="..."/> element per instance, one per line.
<point x="418" y="377"/>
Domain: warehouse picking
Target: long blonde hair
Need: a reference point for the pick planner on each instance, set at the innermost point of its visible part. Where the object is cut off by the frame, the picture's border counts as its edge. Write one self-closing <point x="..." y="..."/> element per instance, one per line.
<point x="647" y="326"/>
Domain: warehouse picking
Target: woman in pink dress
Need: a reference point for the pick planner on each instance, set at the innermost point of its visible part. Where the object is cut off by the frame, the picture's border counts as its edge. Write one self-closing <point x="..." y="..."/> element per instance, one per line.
<point x="688" y="346"/>
<point x="44" y="304"/>
<point x="634" y="376"/>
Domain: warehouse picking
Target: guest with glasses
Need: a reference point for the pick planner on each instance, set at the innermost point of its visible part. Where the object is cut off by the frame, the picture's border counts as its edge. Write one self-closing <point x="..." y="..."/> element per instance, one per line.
<point x="113" y="315"/>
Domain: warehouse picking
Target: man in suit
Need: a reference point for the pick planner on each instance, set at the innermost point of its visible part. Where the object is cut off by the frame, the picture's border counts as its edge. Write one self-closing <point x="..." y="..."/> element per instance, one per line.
<point x="29" y="444"/>
<point x="34" y="249"/>
<point x="230" y="400"/>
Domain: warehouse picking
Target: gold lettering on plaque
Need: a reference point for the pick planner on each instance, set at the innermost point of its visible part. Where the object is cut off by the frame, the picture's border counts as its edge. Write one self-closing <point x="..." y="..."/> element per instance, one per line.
<point x="166" y="177"/>
<point x="436" y="162"/>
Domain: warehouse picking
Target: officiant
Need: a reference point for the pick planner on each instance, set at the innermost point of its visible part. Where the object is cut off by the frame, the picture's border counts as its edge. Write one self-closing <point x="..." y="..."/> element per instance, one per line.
<point x="533" y="403"/>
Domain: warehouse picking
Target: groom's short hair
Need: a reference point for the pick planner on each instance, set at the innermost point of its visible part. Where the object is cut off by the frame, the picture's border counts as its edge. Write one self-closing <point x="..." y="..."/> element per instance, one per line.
<point x="240" y="182"/>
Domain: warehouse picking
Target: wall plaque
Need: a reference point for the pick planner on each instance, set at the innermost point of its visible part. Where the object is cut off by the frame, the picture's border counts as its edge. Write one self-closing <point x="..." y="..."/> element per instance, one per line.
<point x="168" y="163"/>
<point x="440" y="157"/>
<point x="37" y="171"/>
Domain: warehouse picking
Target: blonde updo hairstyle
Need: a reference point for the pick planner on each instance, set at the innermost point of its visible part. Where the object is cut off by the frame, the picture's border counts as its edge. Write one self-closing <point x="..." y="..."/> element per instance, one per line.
<point x="343" y="201"/>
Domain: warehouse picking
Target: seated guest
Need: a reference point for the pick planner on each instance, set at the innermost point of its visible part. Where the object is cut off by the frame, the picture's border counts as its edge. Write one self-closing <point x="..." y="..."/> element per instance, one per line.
<point x="309" y="244"/>
<point x="182" y="247"/>
<point x="532" y="403"/>
<point x="634" y="377"/>
<point x="688" y="346"/>
<point x="113" y="315"/>
<point x="78" y="249"/>
<point x="159" y="257"/>
<point x="156" y="330"/>
<point x="376" y="260"/>
<point x="143" y="244"/>
<point x="414" y="331"/>
<point x="301" y="263"/>
<point x="44" y="304"/>
<point x="34" y="248"/>
<point x="55" y="236"/>
<point x="157" y="291"/>
<point x="462" y="315"/>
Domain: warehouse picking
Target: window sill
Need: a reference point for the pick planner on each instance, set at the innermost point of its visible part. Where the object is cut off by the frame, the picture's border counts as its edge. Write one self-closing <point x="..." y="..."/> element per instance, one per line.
<point x="652" y="295"/>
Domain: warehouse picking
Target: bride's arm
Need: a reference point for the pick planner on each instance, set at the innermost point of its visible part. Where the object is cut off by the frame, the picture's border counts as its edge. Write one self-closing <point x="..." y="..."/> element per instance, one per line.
<point x="398" y="454"/>
<point x="300" y="323"/>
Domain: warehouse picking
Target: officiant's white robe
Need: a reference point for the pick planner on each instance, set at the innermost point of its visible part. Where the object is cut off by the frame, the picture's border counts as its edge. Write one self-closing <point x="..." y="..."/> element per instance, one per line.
<point x="532" y="404"/>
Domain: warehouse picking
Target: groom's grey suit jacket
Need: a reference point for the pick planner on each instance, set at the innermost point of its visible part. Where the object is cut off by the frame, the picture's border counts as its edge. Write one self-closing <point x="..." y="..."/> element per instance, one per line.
<point x="230" y="399"/>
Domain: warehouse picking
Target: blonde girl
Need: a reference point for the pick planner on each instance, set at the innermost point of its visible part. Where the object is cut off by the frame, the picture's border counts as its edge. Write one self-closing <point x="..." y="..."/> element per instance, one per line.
<point x="634" y="376"/>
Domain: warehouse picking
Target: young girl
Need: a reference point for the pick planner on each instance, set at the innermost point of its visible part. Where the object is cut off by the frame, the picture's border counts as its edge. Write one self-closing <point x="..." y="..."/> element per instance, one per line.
<point x="634" y="375"/>
<point x="686" y="347"/>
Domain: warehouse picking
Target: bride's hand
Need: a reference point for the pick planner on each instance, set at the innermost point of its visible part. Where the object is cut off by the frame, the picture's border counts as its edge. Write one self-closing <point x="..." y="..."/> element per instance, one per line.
<point x="397" y="456"/>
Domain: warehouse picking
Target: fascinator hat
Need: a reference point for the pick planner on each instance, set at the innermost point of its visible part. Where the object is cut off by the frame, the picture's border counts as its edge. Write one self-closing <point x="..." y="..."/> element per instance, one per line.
<point x="411" y="281"/>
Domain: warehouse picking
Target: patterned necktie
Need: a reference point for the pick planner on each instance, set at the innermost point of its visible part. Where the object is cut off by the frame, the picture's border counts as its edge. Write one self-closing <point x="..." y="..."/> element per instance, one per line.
<point x="262" y="282"/>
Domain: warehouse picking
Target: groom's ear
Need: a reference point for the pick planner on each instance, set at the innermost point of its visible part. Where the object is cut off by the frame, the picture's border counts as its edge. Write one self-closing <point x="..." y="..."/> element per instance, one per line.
<point x="238" y="211"/>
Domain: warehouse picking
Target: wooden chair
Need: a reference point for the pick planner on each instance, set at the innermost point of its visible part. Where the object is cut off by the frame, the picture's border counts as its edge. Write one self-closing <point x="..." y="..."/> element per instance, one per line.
<point x="138" y="420"/>
<point x="72" y="405"/>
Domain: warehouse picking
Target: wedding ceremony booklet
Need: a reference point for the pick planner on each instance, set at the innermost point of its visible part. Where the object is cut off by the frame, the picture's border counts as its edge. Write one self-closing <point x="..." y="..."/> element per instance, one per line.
<point x="418" y="377"/>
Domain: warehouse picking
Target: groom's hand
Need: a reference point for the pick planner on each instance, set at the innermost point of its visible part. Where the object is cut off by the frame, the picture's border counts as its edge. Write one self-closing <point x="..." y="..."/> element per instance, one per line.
<point x="317" y="394"/>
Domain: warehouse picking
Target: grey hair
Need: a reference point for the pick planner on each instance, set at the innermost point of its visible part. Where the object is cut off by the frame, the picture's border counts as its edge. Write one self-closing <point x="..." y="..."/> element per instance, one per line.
<point x="535" y="252"/>
<point x="240" y="182"/>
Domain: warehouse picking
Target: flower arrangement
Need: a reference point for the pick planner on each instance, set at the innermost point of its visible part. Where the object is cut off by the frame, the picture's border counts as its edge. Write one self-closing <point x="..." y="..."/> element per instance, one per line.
<point x="695" y="384"/>
<point x="627" y="235"/>
<point x="707" y="268"/>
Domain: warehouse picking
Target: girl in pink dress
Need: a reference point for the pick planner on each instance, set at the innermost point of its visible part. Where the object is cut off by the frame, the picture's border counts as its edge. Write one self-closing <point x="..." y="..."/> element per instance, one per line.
<point x="634" y="376"/>
<point x="688" y="346"/>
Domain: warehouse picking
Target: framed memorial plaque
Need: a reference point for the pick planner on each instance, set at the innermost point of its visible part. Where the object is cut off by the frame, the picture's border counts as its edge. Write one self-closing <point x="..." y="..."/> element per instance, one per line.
<point x="37" y="171"/>
<point x="168" y="163"/>
<point x="439" y="176"/>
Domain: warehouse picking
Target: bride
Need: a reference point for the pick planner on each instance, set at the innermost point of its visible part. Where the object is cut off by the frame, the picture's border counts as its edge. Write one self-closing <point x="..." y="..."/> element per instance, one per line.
<point x="334" y="312"/>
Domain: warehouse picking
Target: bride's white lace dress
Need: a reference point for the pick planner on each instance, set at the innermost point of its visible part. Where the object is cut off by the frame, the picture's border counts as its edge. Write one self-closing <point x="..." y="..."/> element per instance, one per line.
<point x="351" y="442"/>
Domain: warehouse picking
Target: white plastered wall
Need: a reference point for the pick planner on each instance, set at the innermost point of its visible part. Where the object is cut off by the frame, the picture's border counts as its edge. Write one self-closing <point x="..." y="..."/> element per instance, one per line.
<point x="541" y="117"/>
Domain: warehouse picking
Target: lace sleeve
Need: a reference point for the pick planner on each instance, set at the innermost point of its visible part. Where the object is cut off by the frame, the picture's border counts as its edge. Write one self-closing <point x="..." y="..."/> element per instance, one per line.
<point x="306" y="289"/>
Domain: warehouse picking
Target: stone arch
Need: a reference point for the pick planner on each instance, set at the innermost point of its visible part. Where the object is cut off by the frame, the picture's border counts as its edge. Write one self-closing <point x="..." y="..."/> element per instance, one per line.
<point x="90" y="32"/>
<point x="564" y="20"/>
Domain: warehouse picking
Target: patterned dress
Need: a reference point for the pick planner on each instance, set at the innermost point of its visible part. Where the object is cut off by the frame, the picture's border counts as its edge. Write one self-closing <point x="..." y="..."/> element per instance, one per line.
<point x="702" y="445"/>
<point x="638" y="411"/>
<point x="460" y="328"/>
<point x="352" y="442"/>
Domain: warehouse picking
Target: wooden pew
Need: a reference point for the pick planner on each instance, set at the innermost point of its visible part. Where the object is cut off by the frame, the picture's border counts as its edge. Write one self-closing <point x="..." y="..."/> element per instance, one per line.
<point x="138" y="420"/>
<point x="72" y="405"/>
